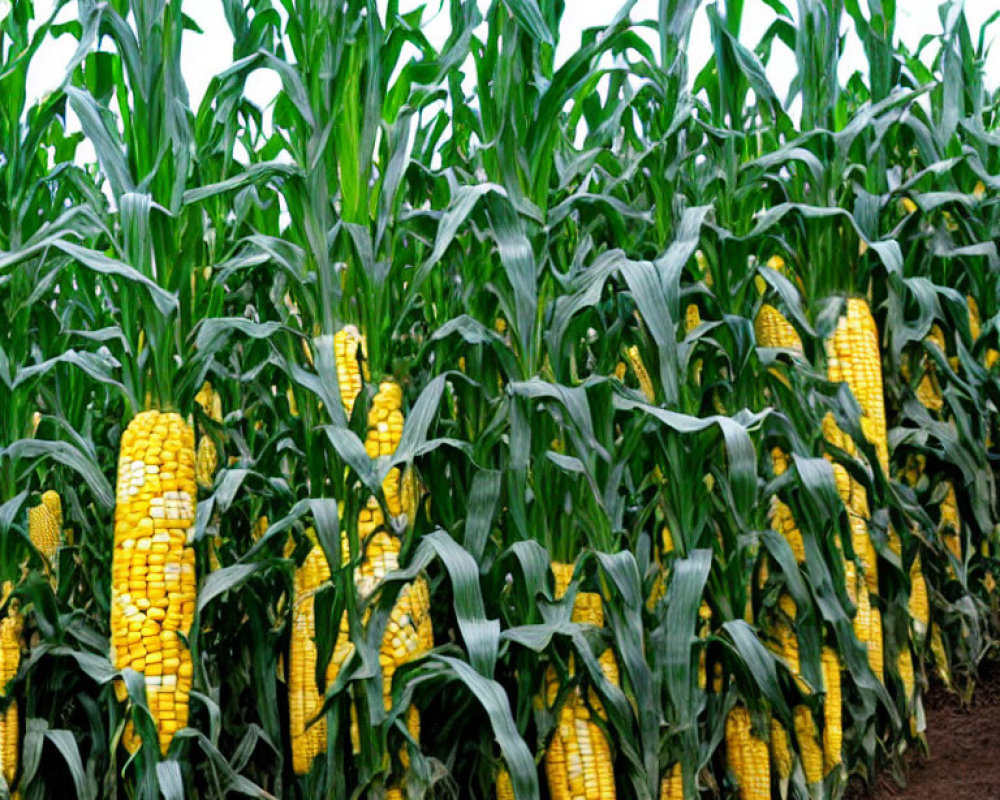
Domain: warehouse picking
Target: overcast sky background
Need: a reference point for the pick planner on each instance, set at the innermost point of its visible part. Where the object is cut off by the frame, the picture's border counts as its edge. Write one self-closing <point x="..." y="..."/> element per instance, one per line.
<point x="209" y="53"/>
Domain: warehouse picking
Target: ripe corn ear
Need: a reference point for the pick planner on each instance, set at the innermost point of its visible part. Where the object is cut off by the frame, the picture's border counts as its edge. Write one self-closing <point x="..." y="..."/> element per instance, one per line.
<point x="747" y="756"/>
<point x="304" y="698"/>
<point x="781" y="752"/>
<point x="350" y="353"/>
<point x="10" y="661"/>
<point x="833" y="730"/>
<point x="385" y="429"/>
<point x="781" y="518"/>
<point x="641" y="373"/>
<point x="153" y="566"/>
<point x="505" y="789"/>
<point x="809" y="747"/>
<point x="207" y="457"/>
<point x="44" y="525"/>
<point x="578" y="763"/>
<point x="672" y="784"/>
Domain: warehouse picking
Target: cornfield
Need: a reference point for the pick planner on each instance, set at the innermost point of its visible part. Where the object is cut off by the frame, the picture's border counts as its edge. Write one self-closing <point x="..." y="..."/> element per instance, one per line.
<point x="470" y="422"/>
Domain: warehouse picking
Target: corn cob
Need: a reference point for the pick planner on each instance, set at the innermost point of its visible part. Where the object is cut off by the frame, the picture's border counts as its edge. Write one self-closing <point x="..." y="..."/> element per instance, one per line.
<point x="704" y="629"/>
<point x="409" y="632"/>
<point x="672" y="784"/>
<point x="747" y="756"/>
<point x="918" y="606"/>
<point x="259" y="528"/>
<point x="809" y="747"/>
<point x="385" y="429"/>
<point x="44" y="524"/>
<point x="578" y="763"/>
<point x="10" y="661"/>
<point x="950" y="525"/>
<point x="774" y="330"/>
<point x="833" y="731"/>
<point x="868" y="629"/>
<point x="940" y="656"/>
<point x="304" y="698"/>
<point x="781" y="752"/>
<point x="641" y="373"/>
<point x="904" y="666"/>
<point x="692" y="317"/>
<point x="781" y="518"/>
<point x="929" y="390"/>
<point x="505" y="789"/>
<point x="784" y="643"/>
<point x="350" y="352"/>
<point x="153" y="566"/>
<point x="207" y="458"/>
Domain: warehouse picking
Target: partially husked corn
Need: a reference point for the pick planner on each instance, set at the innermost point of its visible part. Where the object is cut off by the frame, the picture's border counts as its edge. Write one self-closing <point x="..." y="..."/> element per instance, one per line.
<point x="207" y="456"/>
<point x="153" y="566"/>
<point x="672" y="784"/>
<point x="833" y="731"/>
<point x="10" y="661"/>
<point x="781" y="751"/>
<point x="809" y="746"/>
<point x="308" y="738"/>
<point x="385" y="429"/>
<point x="578" y="762"/>
<point x="747" y="756"/>
<point x="350" y="352"/>
<point x="45" y="524"/>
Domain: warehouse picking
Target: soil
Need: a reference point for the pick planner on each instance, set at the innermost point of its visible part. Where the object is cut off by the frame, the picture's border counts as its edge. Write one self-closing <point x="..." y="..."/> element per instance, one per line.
<point x="964" y="743"/>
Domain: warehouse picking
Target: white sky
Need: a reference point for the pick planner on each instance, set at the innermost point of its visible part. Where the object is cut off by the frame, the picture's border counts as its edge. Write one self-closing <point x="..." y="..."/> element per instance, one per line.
<point x="207" y="54"/>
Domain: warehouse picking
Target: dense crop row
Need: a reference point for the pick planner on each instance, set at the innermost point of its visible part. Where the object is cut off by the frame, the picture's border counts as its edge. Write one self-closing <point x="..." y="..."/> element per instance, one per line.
<point x="610" y="431"/>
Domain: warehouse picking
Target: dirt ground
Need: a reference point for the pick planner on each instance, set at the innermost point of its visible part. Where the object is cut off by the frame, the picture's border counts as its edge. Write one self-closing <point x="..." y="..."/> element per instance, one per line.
<point x="964" y="760"/>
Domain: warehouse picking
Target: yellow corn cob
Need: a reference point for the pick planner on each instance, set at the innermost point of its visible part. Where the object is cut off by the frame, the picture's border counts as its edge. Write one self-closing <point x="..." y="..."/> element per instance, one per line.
<point x="692" y="317"/>
<point x="44" y="524"/>
<point x="809" y="748"/>
<point x="929" y="390"/>
<point x="781" y="752"/>
<point x="578" y="763"/>
<point x="774" y="330"/>
<point x="641" y="373"/>
<point x="621" y="370"/>
<point x="919" y="605"/>
<point x="385" y="429"/>
<point x="659" y="589"/>
<point x="153" y="566"/>
<point x="350" y="351"/>
<point x="904" y="665"/>
<point x="853" y="357"/>
<point x="409" y="492"/>
<point x="505" y="789"/>
<point x="304" y="698"/>
<point x="409" y="632"/>
<point x="747" y="756"/>
<point x="950" y="525"/>
<point x="940" y="656"/>
<point x="704" y="629"/>
<point x="672" y="784"/>
<point x="868" y="629"/>
<point x="781" y="518"/>
<point x="259" y="527"/>
<point x="784" y="643"/>
<point x="833" y="731"/>
<point x="10" y="661"/>
<point x="207" y="458"/>
<point x="975" y="328"/>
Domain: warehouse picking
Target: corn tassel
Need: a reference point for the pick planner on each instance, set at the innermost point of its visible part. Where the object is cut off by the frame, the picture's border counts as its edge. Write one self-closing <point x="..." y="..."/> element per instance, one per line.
<point x="833" y="729"/>
<point x="578" y="763"/>
<point x="44" y="525"/>
<point x="10" y="661"/>
<point x="747" y="756"/>
<point x="809" y="747"/>
<point x="153" y="566"/>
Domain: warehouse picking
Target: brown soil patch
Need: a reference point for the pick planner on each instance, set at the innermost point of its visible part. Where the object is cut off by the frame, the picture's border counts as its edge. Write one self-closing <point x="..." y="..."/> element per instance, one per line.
<point x="964" y="743"/>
